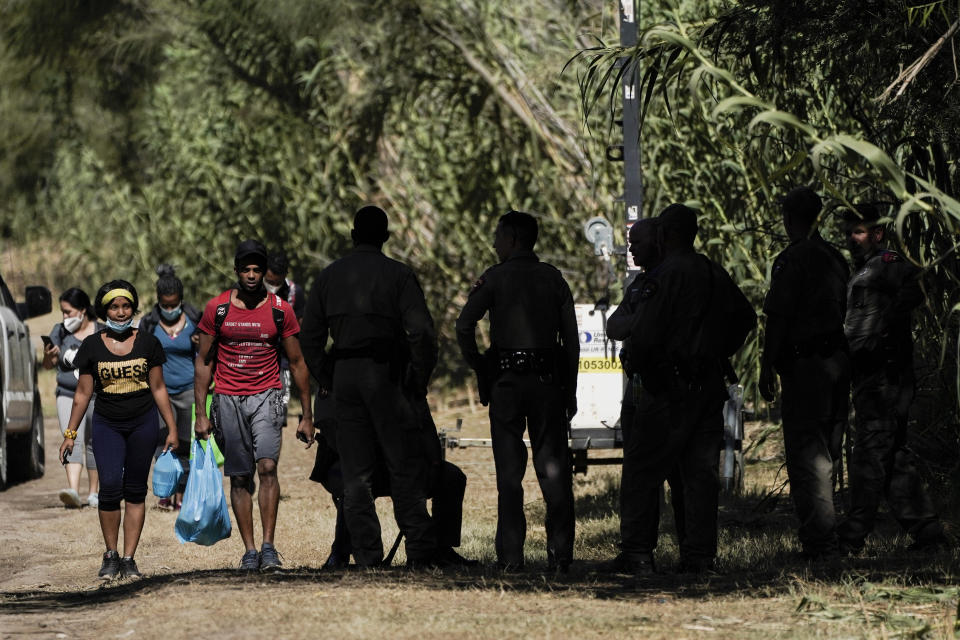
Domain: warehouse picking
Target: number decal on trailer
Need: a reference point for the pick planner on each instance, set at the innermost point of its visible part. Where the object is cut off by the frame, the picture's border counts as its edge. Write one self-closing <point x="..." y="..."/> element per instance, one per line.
<point x="600" y="365"/>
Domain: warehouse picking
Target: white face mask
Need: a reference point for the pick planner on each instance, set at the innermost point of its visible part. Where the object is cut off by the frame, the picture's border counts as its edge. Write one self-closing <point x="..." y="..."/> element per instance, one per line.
<point x="271" y="288"/>
<point x="72" y="324"/>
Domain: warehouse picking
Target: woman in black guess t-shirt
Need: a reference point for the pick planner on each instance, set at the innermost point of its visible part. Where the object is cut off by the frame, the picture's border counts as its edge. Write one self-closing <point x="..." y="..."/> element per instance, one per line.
<point x="123" y="366"/>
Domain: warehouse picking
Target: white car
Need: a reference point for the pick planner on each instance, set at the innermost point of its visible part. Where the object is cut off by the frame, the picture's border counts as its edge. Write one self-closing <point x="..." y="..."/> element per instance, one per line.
<point x="21" y="417"/>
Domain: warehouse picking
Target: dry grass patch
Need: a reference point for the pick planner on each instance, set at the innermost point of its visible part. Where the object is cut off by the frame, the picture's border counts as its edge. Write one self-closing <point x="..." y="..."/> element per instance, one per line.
<point x="762" y="590"/>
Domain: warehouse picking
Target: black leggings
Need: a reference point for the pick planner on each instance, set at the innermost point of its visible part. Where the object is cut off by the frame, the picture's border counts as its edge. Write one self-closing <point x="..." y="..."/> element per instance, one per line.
<point x="124" y="451"/>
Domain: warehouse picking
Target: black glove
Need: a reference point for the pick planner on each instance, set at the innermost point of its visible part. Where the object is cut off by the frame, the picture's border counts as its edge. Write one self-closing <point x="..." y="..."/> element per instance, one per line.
<point x="483" y="386"/>
<point x="413" y="383"/>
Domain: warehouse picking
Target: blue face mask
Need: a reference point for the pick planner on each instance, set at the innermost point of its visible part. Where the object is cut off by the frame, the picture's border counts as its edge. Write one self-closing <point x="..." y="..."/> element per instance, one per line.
<point x="119" y="327"/>
<point x="171" y="314"/>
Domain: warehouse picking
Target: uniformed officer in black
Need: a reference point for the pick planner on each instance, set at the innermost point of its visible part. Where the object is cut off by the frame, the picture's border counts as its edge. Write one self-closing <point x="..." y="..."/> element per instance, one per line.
<point x="646" y="254"/>
<point x="534" y="384"/>
<point x="383" y="342"/>
<point x="690" y="316"/>
<point x="883" y="291"/>
<point x="805" y="345"/>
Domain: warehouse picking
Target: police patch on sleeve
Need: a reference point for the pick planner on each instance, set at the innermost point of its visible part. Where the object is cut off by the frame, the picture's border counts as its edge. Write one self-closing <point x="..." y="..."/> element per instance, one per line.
<point x="649" y="289"/>
<point x="476" y="285"/>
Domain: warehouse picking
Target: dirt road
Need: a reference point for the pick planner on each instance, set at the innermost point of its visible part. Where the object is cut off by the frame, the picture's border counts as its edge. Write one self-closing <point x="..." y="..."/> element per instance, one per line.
<point x="49" y="557"/>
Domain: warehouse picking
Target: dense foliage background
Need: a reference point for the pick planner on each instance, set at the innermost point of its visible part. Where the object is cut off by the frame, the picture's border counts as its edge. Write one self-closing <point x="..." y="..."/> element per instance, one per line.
<point x="743" y="100"/>
<point x="144" y="132"/>
<point x="140" y="132"/>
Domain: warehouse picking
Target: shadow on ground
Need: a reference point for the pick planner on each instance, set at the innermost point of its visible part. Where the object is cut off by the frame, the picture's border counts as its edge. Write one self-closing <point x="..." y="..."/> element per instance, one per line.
<point x="584" y="579"/>
<point x="758" y="555"/>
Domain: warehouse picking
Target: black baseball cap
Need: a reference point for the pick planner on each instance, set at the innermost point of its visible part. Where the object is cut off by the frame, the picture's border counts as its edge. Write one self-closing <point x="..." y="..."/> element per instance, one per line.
<point x="250" y="252"/>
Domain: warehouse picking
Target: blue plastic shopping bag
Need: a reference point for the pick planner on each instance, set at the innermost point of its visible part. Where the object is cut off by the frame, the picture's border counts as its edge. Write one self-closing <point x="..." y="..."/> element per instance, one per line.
<point x="166" y="474"/>
<point x="204" y="517"/>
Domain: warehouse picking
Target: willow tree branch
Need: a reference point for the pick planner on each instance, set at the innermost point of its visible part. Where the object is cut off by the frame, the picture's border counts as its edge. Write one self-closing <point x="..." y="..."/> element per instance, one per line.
<point x="567" y="156"/>
<point x="910" y="73"/>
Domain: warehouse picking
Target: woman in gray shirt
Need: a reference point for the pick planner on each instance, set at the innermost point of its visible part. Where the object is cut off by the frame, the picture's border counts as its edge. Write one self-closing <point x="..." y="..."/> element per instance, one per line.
<point x="65" y="338"/>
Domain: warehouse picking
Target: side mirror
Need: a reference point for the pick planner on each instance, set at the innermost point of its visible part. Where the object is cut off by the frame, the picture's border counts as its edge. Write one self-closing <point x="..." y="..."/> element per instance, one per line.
<point x="39" y="302"/>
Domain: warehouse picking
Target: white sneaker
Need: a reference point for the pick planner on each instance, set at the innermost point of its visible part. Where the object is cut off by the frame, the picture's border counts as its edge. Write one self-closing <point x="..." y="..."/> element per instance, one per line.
<point x="70" y="499"/>
<point x="93" y="500"/>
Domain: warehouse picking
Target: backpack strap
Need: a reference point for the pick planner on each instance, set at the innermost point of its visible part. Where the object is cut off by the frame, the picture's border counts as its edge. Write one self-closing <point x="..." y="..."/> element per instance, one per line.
<point x="218" y="317"/>
<point x="278" y="314"/>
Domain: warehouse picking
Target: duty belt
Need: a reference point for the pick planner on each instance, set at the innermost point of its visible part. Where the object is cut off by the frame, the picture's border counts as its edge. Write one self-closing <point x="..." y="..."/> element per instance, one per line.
<point x="379" y="351"/>
<point x="526" y="360"/>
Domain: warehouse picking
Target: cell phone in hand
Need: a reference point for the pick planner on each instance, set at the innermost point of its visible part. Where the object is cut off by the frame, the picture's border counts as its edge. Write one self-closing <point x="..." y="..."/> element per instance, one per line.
<point x="66" y="455"/>
<point x="302" y="437"/>
<point x="46" y="341"/>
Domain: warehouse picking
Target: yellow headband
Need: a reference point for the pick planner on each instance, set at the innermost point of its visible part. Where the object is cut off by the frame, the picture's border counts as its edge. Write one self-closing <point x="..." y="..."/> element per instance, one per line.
<point x="116" y="293"/>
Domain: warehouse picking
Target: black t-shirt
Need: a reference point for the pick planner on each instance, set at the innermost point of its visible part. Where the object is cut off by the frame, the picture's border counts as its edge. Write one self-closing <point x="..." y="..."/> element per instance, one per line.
<point x="122" y="383"/>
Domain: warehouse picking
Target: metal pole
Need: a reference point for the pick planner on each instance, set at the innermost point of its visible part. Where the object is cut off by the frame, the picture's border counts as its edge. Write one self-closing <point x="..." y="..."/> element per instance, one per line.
<point x="633" y="178"/>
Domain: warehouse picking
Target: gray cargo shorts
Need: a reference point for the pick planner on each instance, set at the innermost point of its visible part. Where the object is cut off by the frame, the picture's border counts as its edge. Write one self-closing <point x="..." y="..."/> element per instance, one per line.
<point x="251" y="428"/>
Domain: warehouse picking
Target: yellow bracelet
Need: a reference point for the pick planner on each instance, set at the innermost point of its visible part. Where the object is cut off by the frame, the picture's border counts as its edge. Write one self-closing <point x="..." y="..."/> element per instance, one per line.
<point x="70" y="435"/>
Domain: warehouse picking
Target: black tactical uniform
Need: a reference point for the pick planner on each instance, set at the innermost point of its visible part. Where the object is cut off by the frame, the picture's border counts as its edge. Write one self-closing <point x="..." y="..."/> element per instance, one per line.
<point x="687" y="307"/>
<point x="808" y="295"/>
<point x="883" y="290"/>
<point x="632" y="513"/>
<point x="530" y="307"/>
<point x="374" y="309"/>
<point x="444" y="482"/>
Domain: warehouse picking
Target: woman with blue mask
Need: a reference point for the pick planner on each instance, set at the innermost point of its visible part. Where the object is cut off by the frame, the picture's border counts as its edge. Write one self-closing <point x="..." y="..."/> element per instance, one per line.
<point x="174" y="323"/>
<point x="79" y="322"/>
<point x="124" y="367"/>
